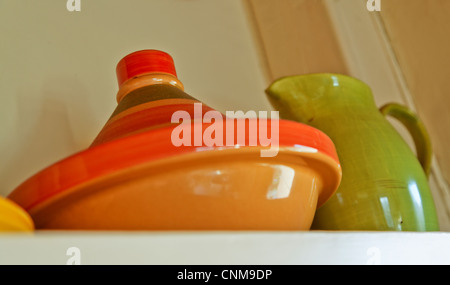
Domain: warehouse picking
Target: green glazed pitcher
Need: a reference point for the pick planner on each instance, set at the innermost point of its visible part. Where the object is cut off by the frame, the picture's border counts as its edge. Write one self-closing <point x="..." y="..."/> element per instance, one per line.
<point x="384" y="185"/>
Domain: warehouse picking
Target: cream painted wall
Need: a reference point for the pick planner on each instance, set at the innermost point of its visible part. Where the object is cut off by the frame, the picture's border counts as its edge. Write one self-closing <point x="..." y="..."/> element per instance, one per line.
<point x="57" y="68"/>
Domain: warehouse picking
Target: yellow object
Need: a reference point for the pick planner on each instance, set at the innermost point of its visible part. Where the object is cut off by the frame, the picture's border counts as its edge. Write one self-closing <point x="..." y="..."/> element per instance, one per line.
<point x="13" y="218"/>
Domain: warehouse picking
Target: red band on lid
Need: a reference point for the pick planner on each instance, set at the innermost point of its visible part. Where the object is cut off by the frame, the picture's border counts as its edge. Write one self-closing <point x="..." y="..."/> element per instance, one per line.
<point x="142" y="62"/>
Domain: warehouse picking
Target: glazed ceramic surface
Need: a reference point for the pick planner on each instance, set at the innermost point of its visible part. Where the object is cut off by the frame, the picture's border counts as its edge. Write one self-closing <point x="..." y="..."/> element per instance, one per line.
<point x="134" y="177"/>
<point x="384" y="186"/>
<point x="143" y="182"/>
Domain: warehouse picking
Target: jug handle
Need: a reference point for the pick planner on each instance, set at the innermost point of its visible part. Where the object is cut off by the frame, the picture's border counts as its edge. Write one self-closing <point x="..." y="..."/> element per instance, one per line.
<point x="417" y="130"/>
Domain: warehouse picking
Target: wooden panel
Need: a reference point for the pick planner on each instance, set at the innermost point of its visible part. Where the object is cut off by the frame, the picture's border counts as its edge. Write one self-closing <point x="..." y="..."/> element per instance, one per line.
<point x="419" y="34"/>
<point x="297" y="37"/>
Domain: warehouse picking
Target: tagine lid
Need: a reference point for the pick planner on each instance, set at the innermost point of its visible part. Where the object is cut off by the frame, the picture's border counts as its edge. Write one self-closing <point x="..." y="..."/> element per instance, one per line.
<point x="119" y="154"/>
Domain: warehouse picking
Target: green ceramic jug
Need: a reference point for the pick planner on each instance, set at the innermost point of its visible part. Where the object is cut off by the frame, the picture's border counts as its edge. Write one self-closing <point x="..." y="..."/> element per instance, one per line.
<point x="384" y="185"/>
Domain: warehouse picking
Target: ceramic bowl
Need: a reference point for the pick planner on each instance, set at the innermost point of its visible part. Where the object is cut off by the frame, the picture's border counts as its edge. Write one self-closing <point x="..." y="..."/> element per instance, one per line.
<point x="143" y="182"/>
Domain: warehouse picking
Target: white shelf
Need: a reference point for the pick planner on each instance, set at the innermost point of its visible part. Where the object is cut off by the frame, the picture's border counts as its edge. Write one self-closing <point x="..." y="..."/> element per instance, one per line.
<point x="227" y="248"/>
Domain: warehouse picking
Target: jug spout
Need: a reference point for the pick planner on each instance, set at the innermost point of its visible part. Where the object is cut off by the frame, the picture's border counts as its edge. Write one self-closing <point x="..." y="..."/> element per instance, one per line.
<point x="304" y="98"/>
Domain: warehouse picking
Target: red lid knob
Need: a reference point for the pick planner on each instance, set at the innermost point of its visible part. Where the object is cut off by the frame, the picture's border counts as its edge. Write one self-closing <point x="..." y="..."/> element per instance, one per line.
<point x="142" y="62"/>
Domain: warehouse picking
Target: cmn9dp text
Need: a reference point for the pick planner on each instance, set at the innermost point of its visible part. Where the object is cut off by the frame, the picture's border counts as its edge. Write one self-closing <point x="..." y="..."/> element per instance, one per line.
<point x="246" y="274"/>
